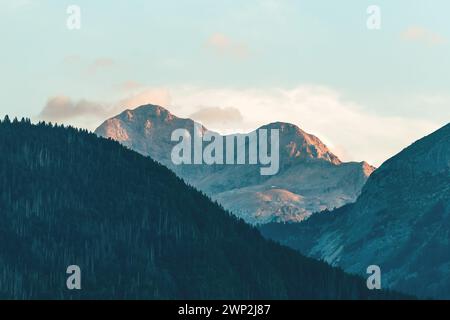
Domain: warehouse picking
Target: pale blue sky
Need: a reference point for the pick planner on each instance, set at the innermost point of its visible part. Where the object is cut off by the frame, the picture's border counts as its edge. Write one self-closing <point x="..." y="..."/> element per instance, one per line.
<point x="401" y="71"/>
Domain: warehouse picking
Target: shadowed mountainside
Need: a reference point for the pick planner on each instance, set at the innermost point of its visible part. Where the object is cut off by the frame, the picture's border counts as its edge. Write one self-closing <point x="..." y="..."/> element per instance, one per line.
<point x="401" y="222"/>
<point x="135" y="229"/>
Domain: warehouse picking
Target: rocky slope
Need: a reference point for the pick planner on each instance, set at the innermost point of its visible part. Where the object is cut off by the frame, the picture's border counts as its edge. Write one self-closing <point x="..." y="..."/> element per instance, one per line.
<point x="311" y="178"/>
<point x="401" y="222"/>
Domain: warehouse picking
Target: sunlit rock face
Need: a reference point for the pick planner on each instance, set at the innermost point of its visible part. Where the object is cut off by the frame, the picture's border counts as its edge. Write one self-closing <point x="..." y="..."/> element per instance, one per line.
<point x="310" y="179"/>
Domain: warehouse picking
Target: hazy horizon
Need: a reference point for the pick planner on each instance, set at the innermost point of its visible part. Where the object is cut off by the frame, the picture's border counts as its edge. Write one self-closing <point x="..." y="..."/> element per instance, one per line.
<point x="234" y="66"/>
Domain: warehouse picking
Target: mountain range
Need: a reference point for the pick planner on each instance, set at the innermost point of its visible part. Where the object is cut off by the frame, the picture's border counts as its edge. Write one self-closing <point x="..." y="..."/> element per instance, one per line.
<point x="400" y="222"/>
<point x="135" y="230"/>
<point x="140" y="230"/>
<point x="310" y="179"/>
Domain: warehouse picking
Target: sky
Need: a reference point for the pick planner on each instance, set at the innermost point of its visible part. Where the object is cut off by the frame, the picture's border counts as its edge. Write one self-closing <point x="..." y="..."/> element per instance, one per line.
<point x="236" y="65"/>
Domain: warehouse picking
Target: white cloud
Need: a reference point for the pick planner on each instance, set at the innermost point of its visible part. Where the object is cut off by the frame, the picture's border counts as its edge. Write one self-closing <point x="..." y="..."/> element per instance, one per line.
<point x="89" y="114"/>
<point x="81" y="113"/>
<point x="349" y="130"/>
<point x="220" y="118"/>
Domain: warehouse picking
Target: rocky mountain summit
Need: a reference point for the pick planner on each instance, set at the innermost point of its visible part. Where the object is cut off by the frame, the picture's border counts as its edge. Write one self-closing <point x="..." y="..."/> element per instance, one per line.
<point x="310" y="178"/>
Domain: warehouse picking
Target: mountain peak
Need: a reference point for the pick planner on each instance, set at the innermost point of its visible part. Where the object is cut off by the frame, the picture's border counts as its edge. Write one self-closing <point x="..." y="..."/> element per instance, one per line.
<point x="151" y="108"/>
<point x="311" y="178"/>
<point x="147" y="111"/>
<point x="367" y="168"/>
<point x="300" y="144"/>
<point x="295" y="143"/>
<point x="429" y="154"/>
<point x="285" y="128"/>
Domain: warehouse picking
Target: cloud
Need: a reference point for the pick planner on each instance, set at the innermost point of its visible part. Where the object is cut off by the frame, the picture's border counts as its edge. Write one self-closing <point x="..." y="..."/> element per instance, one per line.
<point x="89" y="114"/>
<point x="422" y="35"/>
<point x="60" y="108"/>
<point x="350" y="130"/>
<point x="81" y="113"/>
<point x="218" y="117"/>
<point x="224" y="45"/>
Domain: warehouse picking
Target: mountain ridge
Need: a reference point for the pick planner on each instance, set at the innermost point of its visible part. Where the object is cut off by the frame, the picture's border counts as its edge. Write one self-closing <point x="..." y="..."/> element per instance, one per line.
<point x="401" y="222"/>
<point x="314" y="177"/>
<point x="135" y="229"/>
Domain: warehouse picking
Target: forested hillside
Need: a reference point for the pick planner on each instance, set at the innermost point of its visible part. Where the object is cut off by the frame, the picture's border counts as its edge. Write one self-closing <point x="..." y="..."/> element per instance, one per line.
<point x="400" y="222"/>
<point x="68" y="197"/>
